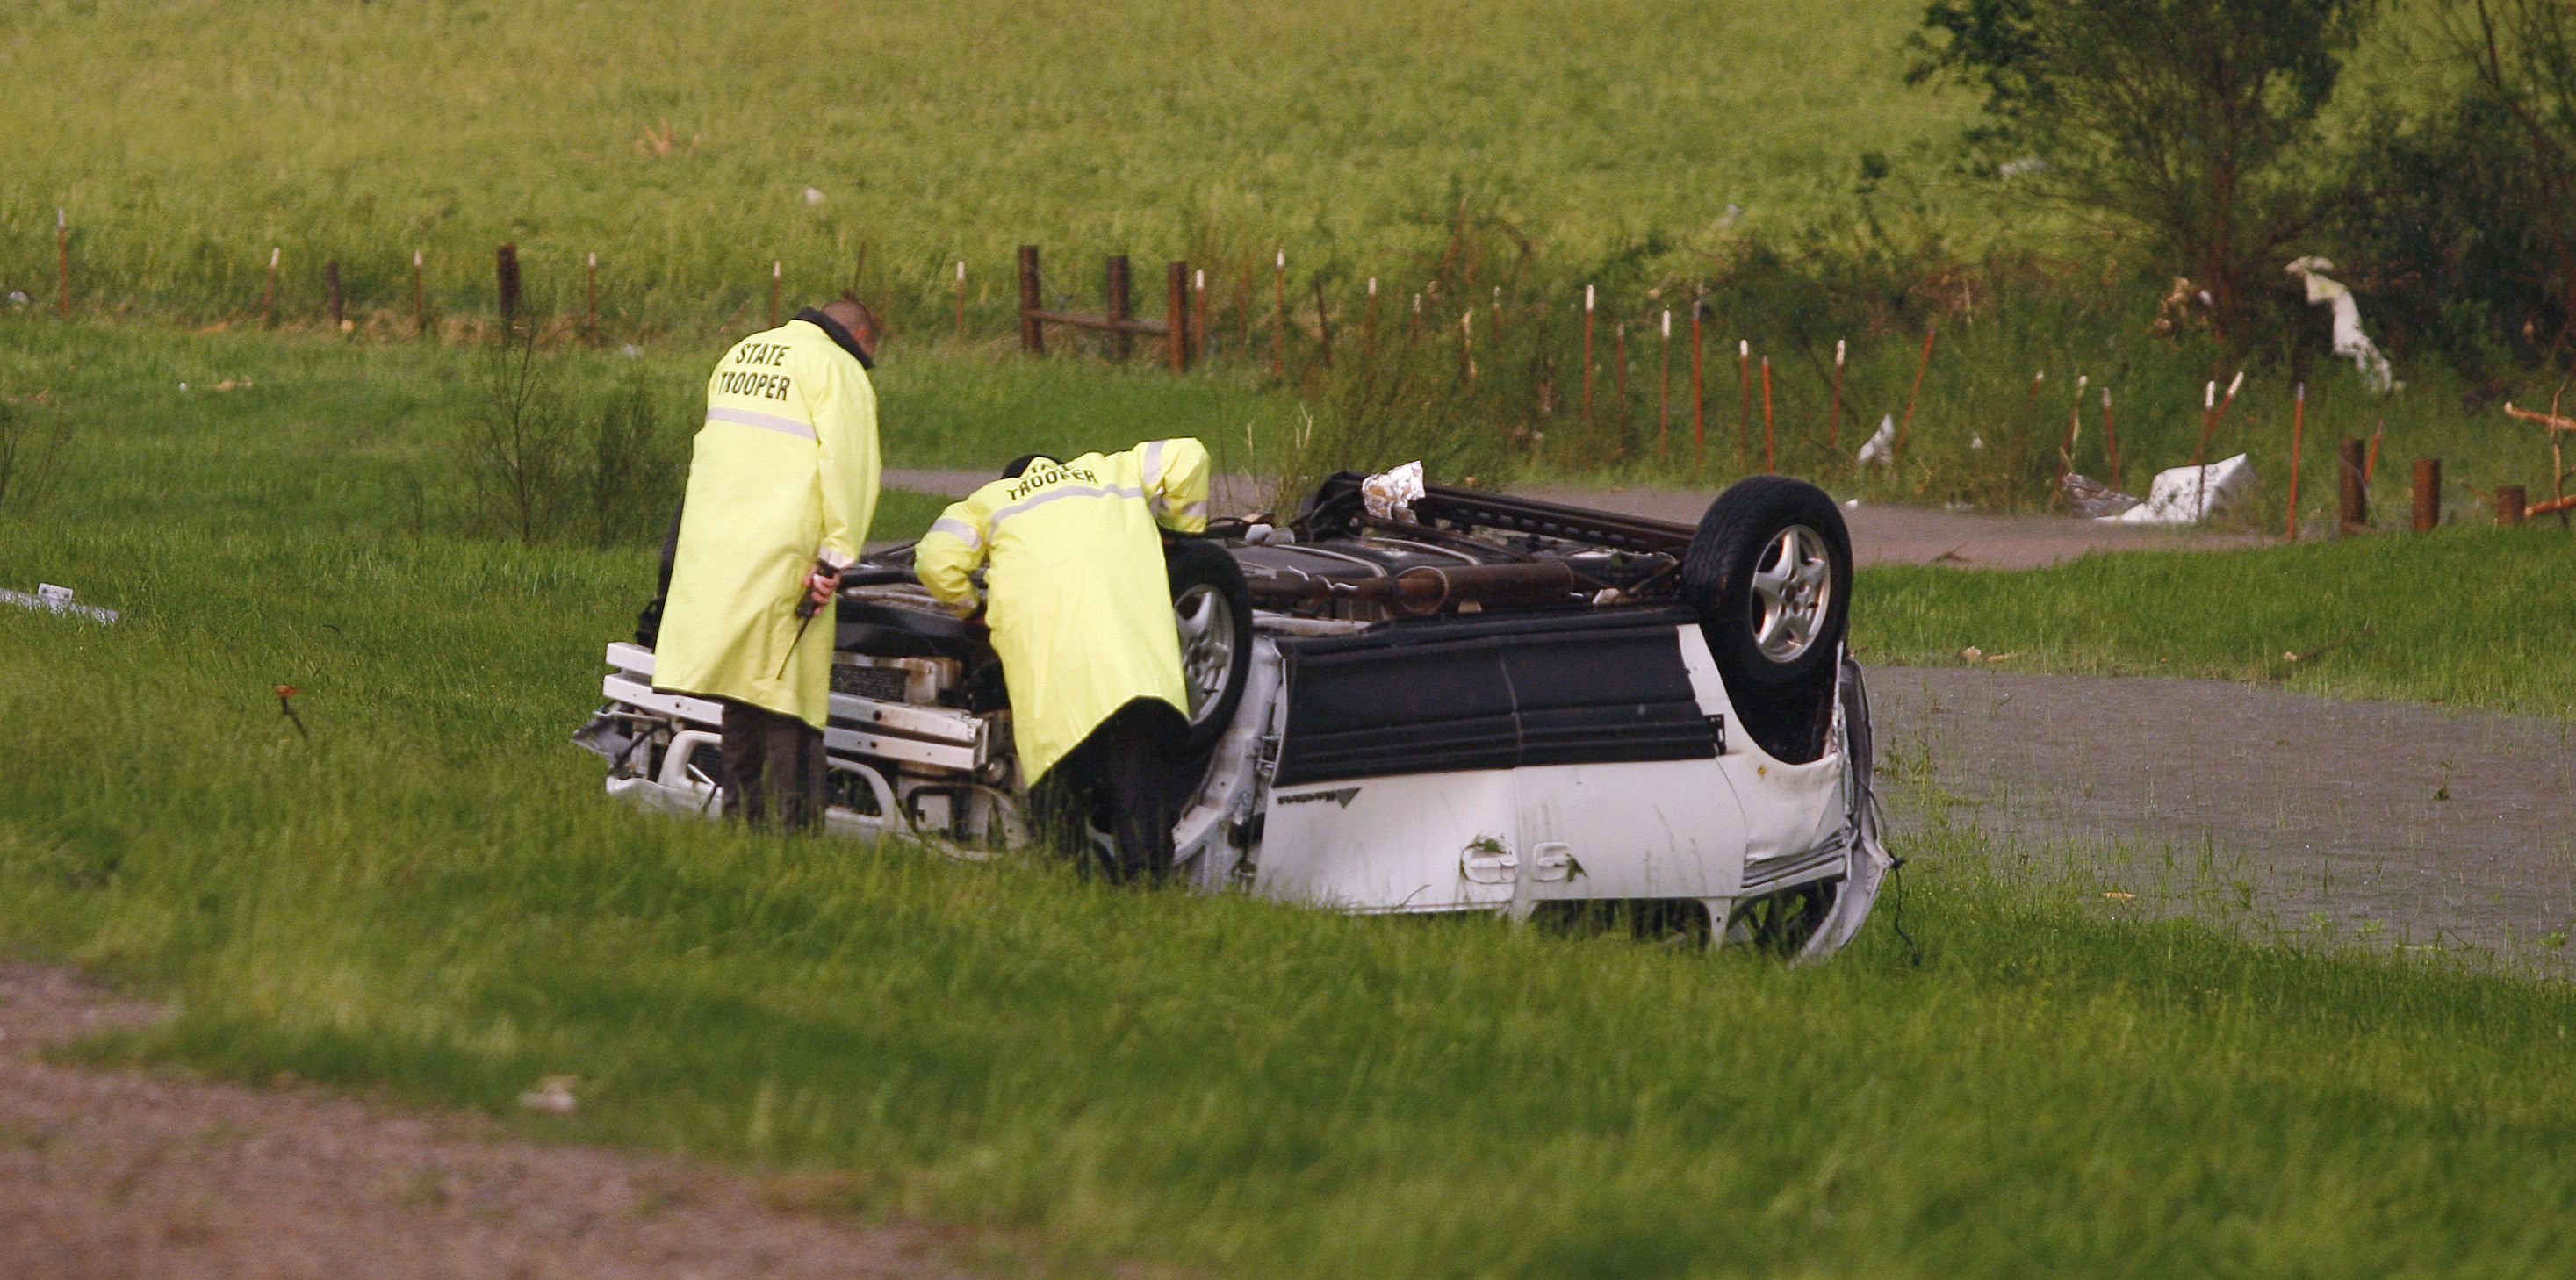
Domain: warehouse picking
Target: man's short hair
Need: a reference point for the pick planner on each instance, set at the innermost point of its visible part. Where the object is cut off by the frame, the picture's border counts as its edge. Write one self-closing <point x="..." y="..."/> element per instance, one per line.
<point x="868" y="319"/>
<point x="1022" y="463"/>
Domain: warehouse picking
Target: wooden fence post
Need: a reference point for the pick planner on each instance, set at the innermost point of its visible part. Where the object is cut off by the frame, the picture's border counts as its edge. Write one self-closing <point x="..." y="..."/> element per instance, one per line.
<point x="1587" y="353"/>
<point x="505" y="274"/>
<point x="331" y="287"/>
<point x="1176" y="315"/>
<point x="1744" y="384"/>
<point x="1121" y="305"/>
<point x="1279" y="326"/>
<point x="1323" y="323"/>
<point x="1032" y="334"/>
<point x="2298" y="435"/>
<point x="1664" y="392"/>
<point x="2352" y="512"/>
<point x="1770" y="461"/>
<point x="2111" y="434"/>
<point x="2509" y="504"/>
<point x="2428" y="494"/>
<point x="1834" y="416"/>
<point x="1619" y="385"/>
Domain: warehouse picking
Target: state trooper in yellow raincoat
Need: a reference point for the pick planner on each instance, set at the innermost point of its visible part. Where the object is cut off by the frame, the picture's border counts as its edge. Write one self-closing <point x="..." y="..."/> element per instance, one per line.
<point x="1081" y="610"/>
<point x="782" y="485"/>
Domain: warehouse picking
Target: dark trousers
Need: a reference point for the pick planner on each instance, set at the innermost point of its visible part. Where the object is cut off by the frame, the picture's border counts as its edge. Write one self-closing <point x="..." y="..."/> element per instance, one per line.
<point x="1126" y="778"/>
<point x="773" y="767"/>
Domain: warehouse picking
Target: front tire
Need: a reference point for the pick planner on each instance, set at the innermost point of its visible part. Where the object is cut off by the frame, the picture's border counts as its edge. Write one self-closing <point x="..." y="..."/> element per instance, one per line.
<point x="1213" y="609"/>
<point x="1770" y="576"/>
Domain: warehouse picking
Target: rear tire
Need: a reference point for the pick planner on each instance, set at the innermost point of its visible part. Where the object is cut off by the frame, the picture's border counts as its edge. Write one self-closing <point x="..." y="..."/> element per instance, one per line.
<point x="1770" y="575"/>
<point x="1213" y="609"/>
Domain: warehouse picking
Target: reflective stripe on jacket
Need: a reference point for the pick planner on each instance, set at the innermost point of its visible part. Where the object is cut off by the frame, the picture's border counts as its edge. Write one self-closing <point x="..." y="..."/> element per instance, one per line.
<point x="784" y="471"/>
<point x="1079" y="602"/>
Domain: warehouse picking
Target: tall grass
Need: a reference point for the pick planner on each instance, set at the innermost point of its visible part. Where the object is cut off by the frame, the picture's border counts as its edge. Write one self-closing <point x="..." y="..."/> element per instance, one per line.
<point x="430" y="898"/>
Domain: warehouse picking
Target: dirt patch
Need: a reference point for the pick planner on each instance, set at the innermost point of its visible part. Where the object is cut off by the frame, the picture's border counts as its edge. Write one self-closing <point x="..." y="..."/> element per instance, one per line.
<point x="126" y="1174"/>
<point x="2380" y="820"/>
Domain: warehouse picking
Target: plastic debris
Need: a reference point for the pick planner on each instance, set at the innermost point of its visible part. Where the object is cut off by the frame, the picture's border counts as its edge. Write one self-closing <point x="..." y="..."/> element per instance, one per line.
<point x="2190" y="495"/>
<point x="2349" y="340"/>
<point x="1880" y="449"/>
<point x="553" y="1095"/>
<point x="54" y="599"/>
<point x="1390" y="494"/>
<point x="813" y="196"/>
<point x="2090" y="499"/>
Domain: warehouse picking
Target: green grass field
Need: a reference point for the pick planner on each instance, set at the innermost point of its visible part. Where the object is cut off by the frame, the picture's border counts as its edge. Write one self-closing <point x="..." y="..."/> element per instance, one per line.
<point x="2465" y="617"/>
<point x="430" y="898"/>
<point x="188" y="145"/>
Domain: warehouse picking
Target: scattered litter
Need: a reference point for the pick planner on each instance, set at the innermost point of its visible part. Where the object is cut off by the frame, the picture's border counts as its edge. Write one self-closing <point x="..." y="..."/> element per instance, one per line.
<point x="2189" y="495"/>
<point x="1853" y="503"/>
<point x="553" y="1095"/>
<point x="1390" y="495"/>
<point x="1974" y="655"/>
<point x="54" y="599"/>
<point x="1976" y="444"/>
<point x="17" y="298"/>
<point x="2091" y="499"/>
<point x="1727" y="220"/>
<point x="1880" y="449"/>
<point x="631" y="351"/>
<point x="2304" y="655"/>
<point x="813" y="196"/>
<point x="286" y="707"/>
<point x="2115" y="895"/>
<point x="183" y="386"/>
<point x="2016" y="168"/>
<point x="2349" y="340"/>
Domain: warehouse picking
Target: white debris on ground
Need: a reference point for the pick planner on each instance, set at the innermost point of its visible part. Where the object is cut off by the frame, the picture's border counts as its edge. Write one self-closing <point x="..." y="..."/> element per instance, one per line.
<point x="2349" y="340"/>
<point x="2090" y="499"/>
<point x="1390" y="494"/>
<point x="553" y="1095"/>
<point x="2190" y="495"/>
<point x="54" y="599"/>
<point x="813" y="196"/>
<point x="1880" y="449"/>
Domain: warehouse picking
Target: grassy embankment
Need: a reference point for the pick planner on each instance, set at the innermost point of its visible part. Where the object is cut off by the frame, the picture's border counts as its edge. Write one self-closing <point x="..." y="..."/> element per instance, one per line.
<point x="2466" y="617"/>
<point x="430" y="898"/>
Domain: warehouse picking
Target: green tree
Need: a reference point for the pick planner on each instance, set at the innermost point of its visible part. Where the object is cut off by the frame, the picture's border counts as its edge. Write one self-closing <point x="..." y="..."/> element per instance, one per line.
<point x="2185" y="119"/>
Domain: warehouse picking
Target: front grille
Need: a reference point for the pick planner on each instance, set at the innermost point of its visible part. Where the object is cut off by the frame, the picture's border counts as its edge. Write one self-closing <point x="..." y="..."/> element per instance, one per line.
<point x="885" y="684"/>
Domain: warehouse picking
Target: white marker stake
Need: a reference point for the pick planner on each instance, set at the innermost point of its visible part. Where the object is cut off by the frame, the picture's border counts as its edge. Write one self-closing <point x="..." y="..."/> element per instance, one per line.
<point x="2209" y="397"/>
<point x="961" y="271"/>
<point x="1372" y="286"/>
<point x="1587" y="297"/>
<point x="1744" y="348"/>
<point x="1200" y="279"/>
<point x="2237" y="382"/>
<point x="272" y="258"/>
<point x="1668" y="324"/>
<point x="1838" y="353"/>
<point x="1283" y="259"/>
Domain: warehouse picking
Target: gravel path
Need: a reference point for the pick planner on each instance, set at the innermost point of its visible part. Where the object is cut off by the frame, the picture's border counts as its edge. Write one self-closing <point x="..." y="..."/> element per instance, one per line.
<point x="115" y="1174"/>
<point x="1880" y="534"/>
<point x="2424" y="823"/>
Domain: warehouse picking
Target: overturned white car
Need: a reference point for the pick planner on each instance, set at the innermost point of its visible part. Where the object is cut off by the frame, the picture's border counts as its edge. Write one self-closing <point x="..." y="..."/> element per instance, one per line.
<point x="1480" y="704"/>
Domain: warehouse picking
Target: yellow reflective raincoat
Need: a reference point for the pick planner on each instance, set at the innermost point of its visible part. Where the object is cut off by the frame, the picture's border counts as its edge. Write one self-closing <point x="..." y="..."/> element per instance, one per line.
<point x="1080" y="604"/>
<point x="784" y="472"/>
